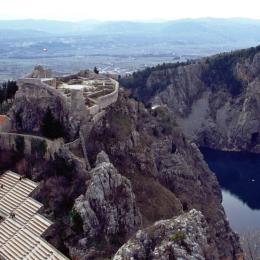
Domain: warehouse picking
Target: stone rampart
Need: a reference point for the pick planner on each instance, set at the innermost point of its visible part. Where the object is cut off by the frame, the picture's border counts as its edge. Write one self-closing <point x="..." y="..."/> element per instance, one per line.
<point x="30" y="145"/>
<point x="107" y="100"/>
<point x="98" y="116"/>
<point x="103" y="102"/>
<point x="38" y="83"/>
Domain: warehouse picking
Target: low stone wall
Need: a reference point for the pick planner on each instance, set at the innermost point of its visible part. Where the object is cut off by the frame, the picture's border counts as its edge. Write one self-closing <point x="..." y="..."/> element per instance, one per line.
<point x="30" y="145"/>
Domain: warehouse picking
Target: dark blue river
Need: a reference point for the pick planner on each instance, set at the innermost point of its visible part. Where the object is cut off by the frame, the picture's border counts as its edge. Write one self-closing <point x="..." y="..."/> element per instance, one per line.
<point x="239" y="176"/>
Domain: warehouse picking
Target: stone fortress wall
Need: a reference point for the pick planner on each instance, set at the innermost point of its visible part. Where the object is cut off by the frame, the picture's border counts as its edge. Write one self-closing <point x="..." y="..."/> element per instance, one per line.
<point x="41" y="85"/>
<point x="107" y="100"/>
<point x="101" y="103"/>
<point x="41" y="147"/>
<point x="12" y="142"/>
<point x="49" y="85"/>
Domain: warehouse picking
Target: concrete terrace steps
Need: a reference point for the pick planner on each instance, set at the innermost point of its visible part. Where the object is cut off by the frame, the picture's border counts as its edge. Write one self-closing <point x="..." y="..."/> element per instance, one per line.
<point x="20" y="233"/>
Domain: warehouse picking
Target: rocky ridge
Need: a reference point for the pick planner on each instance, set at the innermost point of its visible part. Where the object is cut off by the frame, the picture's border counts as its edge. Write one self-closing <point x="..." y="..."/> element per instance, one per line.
<point x="215" y="100"/>
<point x="167" y="172"/>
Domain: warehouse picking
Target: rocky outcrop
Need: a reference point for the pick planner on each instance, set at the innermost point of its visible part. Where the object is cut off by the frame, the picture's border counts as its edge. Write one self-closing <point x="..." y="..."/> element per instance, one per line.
<point x="108" y="208"/>
<point x="215" y="100"/>
<point x="183" y="237"/>
<point x="167" y="172"/>
<point x="32" y="100"/>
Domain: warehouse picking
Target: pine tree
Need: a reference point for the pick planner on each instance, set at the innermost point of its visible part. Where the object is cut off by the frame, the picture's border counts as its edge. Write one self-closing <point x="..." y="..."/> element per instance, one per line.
<point x="96" y="70"/>
<point x="51" y="127"/>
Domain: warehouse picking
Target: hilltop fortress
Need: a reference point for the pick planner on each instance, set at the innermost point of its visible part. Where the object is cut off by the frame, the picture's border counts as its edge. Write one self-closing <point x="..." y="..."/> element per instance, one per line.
<point x="76" y="99"/>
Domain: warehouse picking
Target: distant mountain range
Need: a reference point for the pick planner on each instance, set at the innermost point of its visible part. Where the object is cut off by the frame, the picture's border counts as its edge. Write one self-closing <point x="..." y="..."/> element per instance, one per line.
<point x="119" y="46"/>
<point x="207" y="30"/>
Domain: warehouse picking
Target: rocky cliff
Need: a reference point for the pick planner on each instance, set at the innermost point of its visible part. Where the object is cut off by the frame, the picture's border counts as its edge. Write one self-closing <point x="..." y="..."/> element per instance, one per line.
<point x="167" y="172"/>
<point x="215" y="100"/>
<point x="153" y="173"/>
<point x="184" y="237"/>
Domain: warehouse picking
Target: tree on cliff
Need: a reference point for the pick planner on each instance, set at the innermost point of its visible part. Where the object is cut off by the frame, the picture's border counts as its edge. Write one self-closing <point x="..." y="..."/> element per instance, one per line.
<point x="7" y="90"/>
<point x="96" y="70"/>
<point x="51" y="127"/>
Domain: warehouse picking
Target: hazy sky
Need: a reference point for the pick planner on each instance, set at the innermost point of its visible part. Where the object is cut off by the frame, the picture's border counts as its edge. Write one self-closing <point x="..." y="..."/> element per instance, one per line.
<point x="75" y="10"/>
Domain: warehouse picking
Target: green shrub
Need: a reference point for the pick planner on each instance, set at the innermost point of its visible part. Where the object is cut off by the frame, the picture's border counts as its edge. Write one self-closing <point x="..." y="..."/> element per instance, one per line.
<point x="63" y="167"/>
<point x="19" y="144"/>
<point x="138" y="81"/>
<point x="66" y="91"/>
<point x="120" y="125"/>
<point x="51" y="127"/>
<point x="76" y="221"/>
<point x="38" y="147"/>
<point x="166" y="121"/>
<point x="220" y="74"/>
<point x="179" y="236"/>
<point x="7" y="90"/>
<point x="18" y="119"/>
<point x="5" y="107"/>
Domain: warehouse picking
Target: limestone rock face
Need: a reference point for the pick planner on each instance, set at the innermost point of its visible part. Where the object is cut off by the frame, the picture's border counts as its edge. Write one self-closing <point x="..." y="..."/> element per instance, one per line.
<point x="214" y="117"/>
<point x="215" y="100"/>
<point x="109" y="206"/>
<point x="184" y="237"/>
<point x="186" y="174"/>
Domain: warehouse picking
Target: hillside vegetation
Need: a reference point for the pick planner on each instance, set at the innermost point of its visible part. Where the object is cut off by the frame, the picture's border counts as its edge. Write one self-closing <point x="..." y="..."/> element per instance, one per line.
<point x="217" y="72"/>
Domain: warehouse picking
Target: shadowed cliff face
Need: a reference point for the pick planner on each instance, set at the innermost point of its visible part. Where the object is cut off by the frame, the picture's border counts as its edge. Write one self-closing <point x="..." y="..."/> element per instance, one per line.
<point x="215" y="100"/>
<point x="165" y="169"/>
